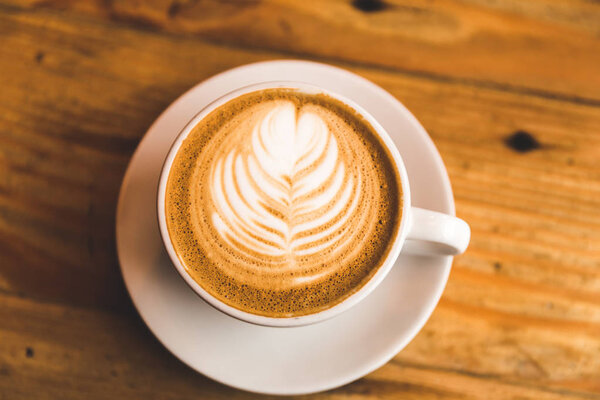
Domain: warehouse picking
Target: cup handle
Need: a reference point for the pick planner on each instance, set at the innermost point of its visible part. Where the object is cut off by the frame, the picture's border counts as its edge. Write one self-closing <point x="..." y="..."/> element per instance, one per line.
<point x="435" y="233"/>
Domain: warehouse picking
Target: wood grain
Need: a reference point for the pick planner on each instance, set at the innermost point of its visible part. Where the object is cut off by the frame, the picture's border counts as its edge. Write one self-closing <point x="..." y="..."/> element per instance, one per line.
<point x="82" y="81"/>
<point x="544" y="47"/>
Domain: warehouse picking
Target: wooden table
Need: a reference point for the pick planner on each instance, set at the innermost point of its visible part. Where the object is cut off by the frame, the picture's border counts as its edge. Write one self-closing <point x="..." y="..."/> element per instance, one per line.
<point x="508" y="90"/>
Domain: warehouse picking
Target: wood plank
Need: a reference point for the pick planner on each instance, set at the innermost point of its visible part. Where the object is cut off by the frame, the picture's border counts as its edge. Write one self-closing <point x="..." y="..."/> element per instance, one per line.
<point x="545" y="47"/>
<point x="521" y="313"/>
<point x="54" y="351"/>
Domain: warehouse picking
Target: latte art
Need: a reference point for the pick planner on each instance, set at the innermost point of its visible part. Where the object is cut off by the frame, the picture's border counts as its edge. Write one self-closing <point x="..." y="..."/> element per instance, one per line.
<point x="284" y="193"/>
<point x="281" y="203"/>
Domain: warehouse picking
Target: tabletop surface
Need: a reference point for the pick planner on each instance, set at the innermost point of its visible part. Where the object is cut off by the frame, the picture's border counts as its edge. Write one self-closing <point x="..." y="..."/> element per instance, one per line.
<point x="508" y="90"/>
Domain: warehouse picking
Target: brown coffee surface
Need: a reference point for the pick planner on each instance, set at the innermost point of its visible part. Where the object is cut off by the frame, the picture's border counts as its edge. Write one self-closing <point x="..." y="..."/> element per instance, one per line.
<point x="281" y="203"/>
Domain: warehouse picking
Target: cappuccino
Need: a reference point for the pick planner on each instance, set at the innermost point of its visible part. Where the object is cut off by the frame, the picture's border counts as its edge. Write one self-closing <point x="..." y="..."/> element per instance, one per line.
<point x="282" y="203"/>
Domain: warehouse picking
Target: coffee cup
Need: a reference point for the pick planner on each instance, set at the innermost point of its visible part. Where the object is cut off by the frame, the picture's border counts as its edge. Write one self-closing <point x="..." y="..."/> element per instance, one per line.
<point x="430" y="233"/>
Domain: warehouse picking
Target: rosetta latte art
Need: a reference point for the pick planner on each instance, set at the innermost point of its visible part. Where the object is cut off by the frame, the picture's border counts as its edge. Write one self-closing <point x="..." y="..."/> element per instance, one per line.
<point x="282" y="205"/>
<point x="278" y="196"/>
<point x="283" y="197"/>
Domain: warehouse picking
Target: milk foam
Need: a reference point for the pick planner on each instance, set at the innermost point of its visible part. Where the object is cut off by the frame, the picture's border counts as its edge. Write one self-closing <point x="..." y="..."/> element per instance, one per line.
<point x="289" y="164"/>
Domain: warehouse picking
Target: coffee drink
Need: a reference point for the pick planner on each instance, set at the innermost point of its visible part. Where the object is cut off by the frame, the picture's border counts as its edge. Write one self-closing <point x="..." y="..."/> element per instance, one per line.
<point x="282" y="203"/>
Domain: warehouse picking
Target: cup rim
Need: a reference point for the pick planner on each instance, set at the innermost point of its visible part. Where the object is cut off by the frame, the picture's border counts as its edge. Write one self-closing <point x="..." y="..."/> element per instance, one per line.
<point x="354" y="298"/>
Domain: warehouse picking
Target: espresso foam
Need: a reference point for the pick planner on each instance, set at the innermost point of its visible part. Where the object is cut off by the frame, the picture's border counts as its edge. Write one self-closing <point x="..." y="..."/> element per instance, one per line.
<point x="281" y="203"/>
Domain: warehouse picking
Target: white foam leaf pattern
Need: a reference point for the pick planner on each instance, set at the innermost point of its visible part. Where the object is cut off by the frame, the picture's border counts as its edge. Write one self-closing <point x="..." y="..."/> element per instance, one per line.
<point x="284" y="192"/>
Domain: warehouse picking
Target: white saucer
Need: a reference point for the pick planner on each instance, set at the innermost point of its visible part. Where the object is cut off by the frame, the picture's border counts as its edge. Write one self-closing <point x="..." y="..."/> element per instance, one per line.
<point x="280" y="360"/>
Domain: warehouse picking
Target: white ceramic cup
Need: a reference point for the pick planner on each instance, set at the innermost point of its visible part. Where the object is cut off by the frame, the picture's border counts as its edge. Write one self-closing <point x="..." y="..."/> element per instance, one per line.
<point x="430" y="232"/>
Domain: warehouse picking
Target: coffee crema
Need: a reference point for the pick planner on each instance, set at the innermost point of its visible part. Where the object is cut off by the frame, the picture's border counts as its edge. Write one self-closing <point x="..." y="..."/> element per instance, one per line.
<point x="282" y="203"/>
